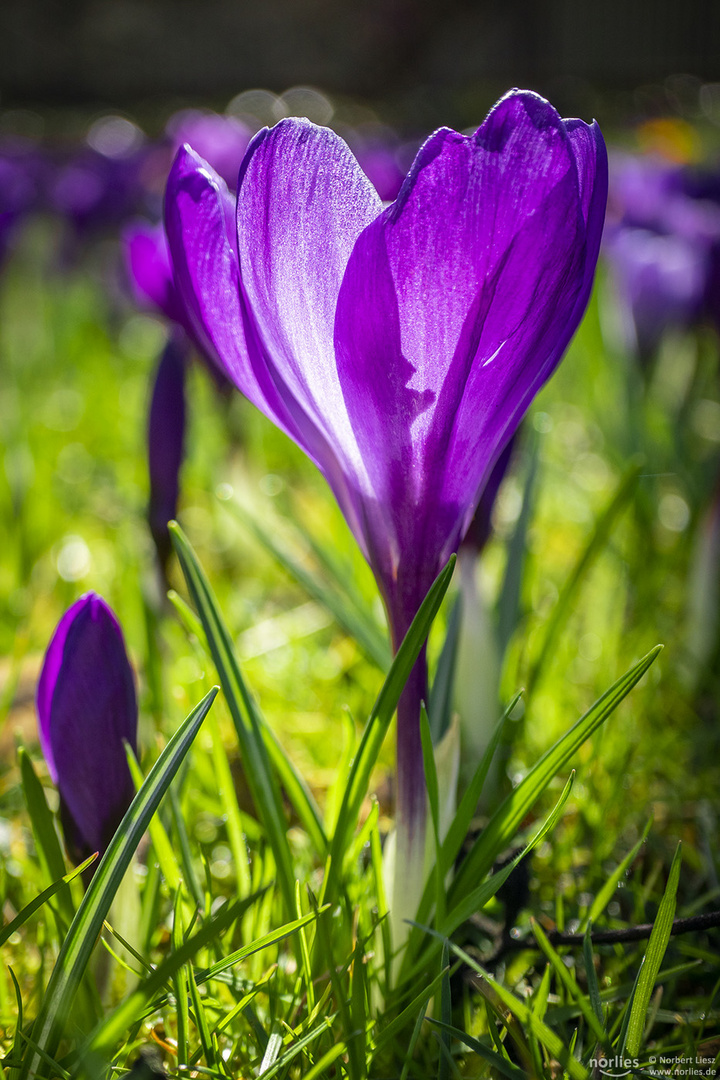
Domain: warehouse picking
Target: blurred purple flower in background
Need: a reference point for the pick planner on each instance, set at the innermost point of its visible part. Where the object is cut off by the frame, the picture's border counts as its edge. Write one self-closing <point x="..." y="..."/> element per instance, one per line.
<point x="400" y="348"/>
<point x="221" y="140"/>
<point x="147" y="260"/>
<point x="21" y="169"/>
<point x="94" y="192"/>
<point x="378" y="151"/>
<point x="662" y="243"/>
<point x="87" y="708"/>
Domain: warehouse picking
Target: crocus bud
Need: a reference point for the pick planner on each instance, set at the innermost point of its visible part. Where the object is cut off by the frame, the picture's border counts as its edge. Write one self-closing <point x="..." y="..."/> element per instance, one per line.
<point x="166" y="439"/>
<point x="87" y="709"/>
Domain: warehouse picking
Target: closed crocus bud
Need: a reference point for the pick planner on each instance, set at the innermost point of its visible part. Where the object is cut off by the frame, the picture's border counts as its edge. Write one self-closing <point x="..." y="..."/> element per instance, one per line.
<point x="166" y="440"/>
<point x="87" y="710"/>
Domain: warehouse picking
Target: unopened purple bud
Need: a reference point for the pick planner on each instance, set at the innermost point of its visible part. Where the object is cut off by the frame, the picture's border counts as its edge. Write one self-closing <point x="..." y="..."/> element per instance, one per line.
<point x="166" y="441"/>
<point x="87" y="710"/>
<point x="149" y="270"/>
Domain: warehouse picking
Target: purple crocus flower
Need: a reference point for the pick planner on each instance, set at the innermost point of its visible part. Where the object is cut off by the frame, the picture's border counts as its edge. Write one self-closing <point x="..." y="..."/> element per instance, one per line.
<point x="399" y="347"/>
<point x="21" y="168"/>
<point x="378" y="152"/>
<point x="150" y="271"/>
<point x="86" y="708"/>
<point x="166" y="438"/>
<point x="221" y="140"/>
<point x="93" y="192"/>
<point x="663" y="247"/>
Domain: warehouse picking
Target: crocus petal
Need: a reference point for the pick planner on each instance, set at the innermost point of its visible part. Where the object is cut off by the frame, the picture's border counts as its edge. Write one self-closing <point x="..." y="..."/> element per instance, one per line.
<point x="86" y="707"/>
<point x="150" y="271"/>
<point x="207" y="273"/>
<point x="198" y="219"/>
<point x="47" y="682"/>
<point x="455" y="307"/>
<point x="303" y="200"/>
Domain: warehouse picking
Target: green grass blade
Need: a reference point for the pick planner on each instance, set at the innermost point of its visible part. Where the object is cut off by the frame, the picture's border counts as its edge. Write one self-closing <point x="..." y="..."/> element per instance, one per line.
<point x="186" y="858"/>
<point x="445" y="1015"/>
<point x="479" y="896"/>
<point x="45" y="833"/>
<point x="501" y="1064"/>
<point x="85" y="928"/>
<point x="441" y="694"/>
<point x="282" y="1061"/>
<point x="609" y="889"/>
<point x="507" y="818"/>
<point x="249" y="723"/>
<point x="180" y="985"/>
<point x="591" y="977"/>
<point x="321" y="1066"/>
<point x="305" y="954"/>
<point x="530" y="1022"/>
<point x="160" y="840"/>
<point x="597" y="542"/>
<point x="412" y="1044"/>
<point x="128" y="1012"/>
<point x="346" y="612"/>
<point x="431" y="783"/>
<point x="567" y="980"/>
<point x="359" y="1001"/>
<point x="540" y="997"/>
<point x="622" y="1037"/>
<point x="398" y="1025"/>
<point x="508" y="606"/>
<point x="261" y="943"/>
<point x="228" y="798"/>
<point x="201" y="1023"/>
<point x="15" y="1050"/>
<point x="297" y="791"/>
<point x="431" y="779"/>
<point x="186" y="616"/>
<point x="381" y="715"/>
<point x="658" y="943"/>
<point x="458" y="830"/>
<point x="22" y="916"/>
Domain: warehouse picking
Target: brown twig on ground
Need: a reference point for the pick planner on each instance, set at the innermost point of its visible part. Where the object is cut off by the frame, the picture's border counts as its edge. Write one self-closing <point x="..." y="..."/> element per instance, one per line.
<point x="708" y="921"/>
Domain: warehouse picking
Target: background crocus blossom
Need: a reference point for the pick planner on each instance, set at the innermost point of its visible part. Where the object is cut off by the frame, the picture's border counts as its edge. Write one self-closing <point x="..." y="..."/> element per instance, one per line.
<point x="166" y="441"/>
<point x="87" y="708"/>
<point x="662" y="243"/>
<point x="399" y="347"/>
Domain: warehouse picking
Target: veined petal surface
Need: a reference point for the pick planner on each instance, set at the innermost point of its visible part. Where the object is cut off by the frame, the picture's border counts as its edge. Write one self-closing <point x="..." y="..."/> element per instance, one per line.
<point x="455" y="307"/>
<point x="303" y="200"/>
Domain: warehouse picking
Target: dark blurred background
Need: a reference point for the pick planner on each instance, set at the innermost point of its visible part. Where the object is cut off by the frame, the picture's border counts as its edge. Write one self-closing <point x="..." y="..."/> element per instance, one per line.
<point x="418" y="64"/>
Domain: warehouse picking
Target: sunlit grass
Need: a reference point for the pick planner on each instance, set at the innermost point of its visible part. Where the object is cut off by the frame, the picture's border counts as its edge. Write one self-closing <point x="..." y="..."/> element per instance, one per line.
<point x="77" y="362"/>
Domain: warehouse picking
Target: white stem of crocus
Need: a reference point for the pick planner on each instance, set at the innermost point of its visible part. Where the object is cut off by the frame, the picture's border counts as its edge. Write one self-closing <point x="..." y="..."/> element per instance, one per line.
<point x="409" y="856"/>
<point x="405" y="867"/>
<point x="477" y="673"/>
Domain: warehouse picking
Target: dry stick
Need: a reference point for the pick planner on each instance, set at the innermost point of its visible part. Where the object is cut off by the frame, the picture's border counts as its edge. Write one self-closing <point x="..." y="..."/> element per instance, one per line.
<point x="710" y="920"/>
